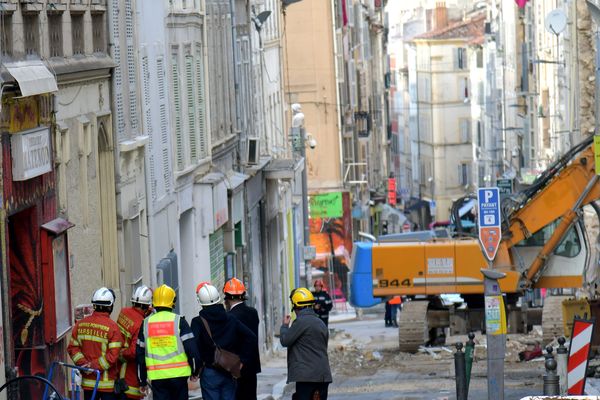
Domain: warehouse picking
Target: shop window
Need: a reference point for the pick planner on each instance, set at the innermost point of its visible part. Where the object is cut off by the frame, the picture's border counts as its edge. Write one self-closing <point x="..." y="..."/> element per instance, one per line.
<point x="56" y="281"/>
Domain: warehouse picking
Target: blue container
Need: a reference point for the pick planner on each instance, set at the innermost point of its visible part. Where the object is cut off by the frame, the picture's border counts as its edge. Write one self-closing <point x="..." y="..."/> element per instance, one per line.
<point x="361" y="294"/>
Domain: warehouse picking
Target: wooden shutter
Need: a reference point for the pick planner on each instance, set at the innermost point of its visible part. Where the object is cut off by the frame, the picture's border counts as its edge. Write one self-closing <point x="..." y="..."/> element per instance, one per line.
<point x="177" y="114"/>
<point x="164" y="123"/>
<point x="191" y="108"/>
<point x="200" y="104"/>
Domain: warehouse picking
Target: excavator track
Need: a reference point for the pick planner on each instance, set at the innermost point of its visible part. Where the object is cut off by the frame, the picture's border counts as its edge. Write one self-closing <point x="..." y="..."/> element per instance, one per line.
<point x="552" y="318"/>
<point x="413" y="329"/>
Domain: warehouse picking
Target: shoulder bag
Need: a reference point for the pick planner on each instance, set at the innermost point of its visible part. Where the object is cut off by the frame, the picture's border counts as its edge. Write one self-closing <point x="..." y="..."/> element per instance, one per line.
<point x="225" y="361"/>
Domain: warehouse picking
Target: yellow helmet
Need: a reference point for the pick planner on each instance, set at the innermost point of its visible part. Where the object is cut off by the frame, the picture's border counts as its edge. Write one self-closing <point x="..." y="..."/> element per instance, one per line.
<point x="164" y="296"/>
<point x="302" y="297"/>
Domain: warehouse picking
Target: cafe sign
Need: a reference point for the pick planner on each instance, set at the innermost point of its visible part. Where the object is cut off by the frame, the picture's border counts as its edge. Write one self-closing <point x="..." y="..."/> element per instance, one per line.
<point x="31" y="153"/>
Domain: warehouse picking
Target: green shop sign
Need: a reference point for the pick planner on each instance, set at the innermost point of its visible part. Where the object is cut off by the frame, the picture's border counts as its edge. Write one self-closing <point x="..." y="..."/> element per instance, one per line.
<point x="326" y="205"/>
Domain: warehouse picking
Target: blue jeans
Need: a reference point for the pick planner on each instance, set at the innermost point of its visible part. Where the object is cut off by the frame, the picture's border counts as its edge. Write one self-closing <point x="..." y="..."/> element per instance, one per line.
<point x="217" y="385"/>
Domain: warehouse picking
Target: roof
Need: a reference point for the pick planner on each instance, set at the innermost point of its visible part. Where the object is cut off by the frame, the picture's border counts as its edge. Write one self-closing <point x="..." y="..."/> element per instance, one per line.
<point x="471" y="30"/>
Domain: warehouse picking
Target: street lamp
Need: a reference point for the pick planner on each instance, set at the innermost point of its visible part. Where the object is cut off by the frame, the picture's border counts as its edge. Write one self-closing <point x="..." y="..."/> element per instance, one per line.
<point x="299" y="144"/>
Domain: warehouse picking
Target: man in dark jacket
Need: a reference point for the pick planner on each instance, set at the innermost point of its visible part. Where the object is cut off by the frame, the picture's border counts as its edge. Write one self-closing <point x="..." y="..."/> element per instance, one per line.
<point x="235" y="294"/>
<point x="323" y="303"/>
<point x="229" y="334"/>
<point x="306" y="340"/>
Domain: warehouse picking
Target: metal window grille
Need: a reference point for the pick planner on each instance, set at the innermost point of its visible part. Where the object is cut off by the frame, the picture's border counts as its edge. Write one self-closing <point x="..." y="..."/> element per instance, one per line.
<point x="55" y="35"/>
<point x="6" y="34"/>
<point x="98" y="30"/>
<point x="77" y="33"/>
<point x="31" y="33"/>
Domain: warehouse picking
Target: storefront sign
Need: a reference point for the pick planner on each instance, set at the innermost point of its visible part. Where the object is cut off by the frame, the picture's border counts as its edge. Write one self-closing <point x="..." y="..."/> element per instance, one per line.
<point x="221" y="212"/>
<point x="392" y="191"/>
<point x="326" y="205"/>
<point x="31" y="155"/>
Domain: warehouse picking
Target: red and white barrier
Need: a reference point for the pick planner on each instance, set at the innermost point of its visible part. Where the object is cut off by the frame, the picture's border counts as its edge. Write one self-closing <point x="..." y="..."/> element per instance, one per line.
<point x="579" y="352"/>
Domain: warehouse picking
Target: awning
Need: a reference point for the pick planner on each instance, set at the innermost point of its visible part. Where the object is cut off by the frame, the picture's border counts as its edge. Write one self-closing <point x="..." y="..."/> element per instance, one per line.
<point x="33" y="77"/>
<point x="234" y="179"/>
<point x="390" y="214"/>
<point x="465" y="208"/>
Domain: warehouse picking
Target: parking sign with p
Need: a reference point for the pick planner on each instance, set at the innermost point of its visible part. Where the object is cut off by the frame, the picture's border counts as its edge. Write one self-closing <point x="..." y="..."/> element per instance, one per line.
<point x="488" y="206"/>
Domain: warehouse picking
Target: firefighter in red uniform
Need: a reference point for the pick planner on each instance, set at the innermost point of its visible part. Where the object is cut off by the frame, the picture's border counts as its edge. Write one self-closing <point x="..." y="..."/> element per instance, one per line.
<point x="130" y="320"/>
<point x="95" y="343"/>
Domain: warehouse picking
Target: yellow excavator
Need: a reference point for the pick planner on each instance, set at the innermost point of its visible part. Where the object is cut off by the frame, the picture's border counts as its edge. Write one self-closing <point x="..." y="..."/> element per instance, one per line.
<point x="544" y="245"/>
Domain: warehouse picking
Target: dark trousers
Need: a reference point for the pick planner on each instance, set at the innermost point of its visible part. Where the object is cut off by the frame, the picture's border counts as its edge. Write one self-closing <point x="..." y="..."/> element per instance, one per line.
<point x="246" y="387"/>
<point x="311" y="391"/>
<point x="87" y="395"/>
<point x="170" y="389"/>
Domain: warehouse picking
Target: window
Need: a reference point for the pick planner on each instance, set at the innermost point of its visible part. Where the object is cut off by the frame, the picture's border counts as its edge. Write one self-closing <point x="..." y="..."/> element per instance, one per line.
<point x="461" y="58"/>
<point x="77" y="33"/>
<point x="465" y="130"/>
<point x="98" y="33"/>
<point x="55" y="35"/>
<point x="31" y="33"/>
<point x="463" y="88"/>
<point x="479" y="58"/>
<point x="463" y="174"/>
<point x="569" y="247"/>
<point x="6" y="32"/>
<point x="480" y="134"/>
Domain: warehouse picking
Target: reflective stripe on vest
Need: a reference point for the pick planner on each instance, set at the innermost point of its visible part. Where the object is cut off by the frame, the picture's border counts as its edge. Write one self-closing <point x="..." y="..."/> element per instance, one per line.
<point x="165" y="355"/>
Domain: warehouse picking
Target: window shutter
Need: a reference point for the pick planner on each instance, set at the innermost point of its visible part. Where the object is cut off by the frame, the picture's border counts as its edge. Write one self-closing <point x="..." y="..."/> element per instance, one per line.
<point x="191" y="107"/>
<point x="177" y="106"/>
<point x="117" y="73"/>
<point x="148" y="126"/>
<point x="164" y="123"/>
<point x="200" y="104"/>
<point x="352" y="83"/>
<point x="131" y="70"/>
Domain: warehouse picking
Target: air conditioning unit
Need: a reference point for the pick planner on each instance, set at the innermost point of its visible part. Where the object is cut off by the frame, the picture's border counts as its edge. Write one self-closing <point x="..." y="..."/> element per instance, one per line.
<point x="252" y="151"/>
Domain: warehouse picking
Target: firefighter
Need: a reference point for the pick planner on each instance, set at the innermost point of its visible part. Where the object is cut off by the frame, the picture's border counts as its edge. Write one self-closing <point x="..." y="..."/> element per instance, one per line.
<point x="95" y="343"/>
<point x="306" y="342"/>
<point x="323" y="303"/>
<point x="235" y="296"/>
<point x="130" y="320"/>
<point x="166" y="353"/>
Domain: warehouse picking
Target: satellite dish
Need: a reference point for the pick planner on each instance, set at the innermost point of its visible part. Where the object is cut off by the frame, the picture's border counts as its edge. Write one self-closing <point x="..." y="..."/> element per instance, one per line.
<point x="556" y="21"/>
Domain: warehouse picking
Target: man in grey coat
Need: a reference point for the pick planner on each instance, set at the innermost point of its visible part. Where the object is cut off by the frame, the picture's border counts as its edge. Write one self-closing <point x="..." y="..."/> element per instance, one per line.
<point x="306" y="340"/>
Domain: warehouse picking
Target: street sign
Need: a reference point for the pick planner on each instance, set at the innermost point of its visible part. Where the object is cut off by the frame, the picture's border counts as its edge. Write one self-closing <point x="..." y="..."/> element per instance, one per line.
<point x="310" y="253"/>
<point x="504" y="185"/>
<point x="488" y="206"/>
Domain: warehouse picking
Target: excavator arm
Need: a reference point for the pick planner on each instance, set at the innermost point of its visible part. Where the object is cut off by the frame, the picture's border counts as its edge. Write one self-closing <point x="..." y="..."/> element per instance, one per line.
<point x="559" y="194"/>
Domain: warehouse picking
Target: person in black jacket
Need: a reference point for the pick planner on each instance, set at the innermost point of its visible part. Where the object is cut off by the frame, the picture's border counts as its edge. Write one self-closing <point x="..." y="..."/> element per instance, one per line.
<point x="323" y="303"/>
<point x="235" y="294"/>
<point x="229" y="334"/>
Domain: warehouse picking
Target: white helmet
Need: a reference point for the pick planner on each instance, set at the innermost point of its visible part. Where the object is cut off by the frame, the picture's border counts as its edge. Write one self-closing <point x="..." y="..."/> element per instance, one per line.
<point x="208" y="295"/>
<point x="142" y="295"/>
<point x="103" y="297"/>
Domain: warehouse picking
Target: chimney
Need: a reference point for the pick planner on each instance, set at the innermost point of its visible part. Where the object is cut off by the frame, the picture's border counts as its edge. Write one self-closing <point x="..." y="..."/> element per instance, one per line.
<point x="441" y="15"/>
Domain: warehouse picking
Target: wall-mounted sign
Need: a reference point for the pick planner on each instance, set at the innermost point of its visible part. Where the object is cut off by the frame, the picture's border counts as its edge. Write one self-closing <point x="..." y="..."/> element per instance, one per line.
<point x="31" y="153"/>
<point x="326" y="205"/>
<point x="392" y="191"/>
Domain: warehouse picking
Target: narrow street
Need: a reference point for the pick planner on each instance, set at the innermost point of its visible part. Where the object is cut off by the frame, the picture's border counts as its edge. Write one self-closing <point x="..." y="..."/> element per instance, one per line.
<point x="367" y="365"/>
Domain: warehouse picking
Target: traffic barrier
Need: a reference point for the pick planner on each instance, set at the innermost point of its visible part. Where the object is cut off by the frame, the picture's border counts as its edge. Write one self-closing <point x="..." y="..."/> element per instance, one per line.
<point x="551" y="386"/>
<point x="469" y="350"/>
<point x="460" y="373"/>
<point x="579" y="353"/>
<point x="562" y="358"/>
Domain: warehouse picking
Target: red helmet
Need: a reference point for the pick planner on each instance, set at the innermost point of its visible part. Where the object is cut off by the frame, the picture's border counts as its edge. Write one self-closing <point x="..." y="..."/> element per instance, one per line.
<point x="319" y="282"/>
<point x="234" y="287"/>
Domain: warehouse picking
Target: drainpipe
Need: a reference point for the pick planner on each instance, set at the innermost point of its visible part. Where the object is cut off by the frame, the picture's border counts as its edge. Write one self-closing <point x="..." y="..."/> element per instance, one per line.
<point x="236" y="83"/>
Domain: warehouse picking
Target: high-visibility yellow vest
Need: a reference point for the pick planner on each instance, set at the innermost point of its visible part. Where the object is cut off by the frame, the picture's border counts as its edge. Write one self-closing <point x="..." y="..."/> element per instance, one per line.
<point x="165" y="355"/>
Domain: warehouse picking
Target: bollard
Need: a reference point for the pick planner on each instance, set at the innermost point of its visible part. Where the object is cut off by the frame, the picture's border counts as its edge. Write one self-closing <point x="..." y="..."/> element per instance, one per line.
<point x="460" y="372"/>
<point x="551" y="385"/>
<point x="562" y="359"/>
<point x="469" y="351"/>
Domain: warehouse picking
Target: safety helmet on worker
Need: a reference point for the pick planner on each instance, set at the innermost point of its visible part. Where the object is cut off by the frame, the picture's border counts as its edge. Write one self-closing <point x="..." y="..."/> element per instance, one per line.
<point x="142" y="296"/>
<point x="164" y="296"/>
<point x="234" y="288"/>
<point x="103" y="300"/>
<point x="302" y="297"/>
<point x="208" y="295"/>
<point x="200" y="286"/>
